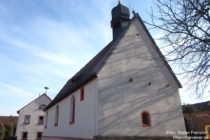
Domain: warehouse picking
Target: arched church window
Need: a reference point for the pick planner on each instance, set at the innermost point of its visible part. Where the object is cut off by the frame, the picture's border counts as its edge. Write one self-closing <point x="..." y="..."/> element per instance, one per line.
<point x="56" y="115"/>
<point x="46" y="119"/>
<point x="72" y="110"/>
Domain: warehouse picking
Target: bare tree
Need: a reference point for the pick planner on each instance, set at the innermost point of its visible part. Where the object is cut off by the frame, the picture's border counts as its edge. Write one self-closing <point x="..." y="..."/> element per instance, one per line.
<point x="186" y="33"/>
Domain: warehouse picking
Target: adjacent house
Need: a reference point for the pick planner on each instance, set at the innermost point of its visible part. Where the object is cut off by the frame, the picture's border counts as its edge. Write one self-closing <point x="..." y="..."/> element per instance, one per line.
<point x="8" y="126"/>
<point x="127" y="89"/>
<point x="31" y="119"/>
<point x="197" y="117"/>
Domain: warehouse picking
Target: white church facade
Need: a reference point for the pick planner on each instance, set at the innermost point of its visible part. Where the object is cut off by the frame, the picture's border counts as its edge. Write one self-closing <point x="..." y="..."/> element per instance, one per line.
<point x="127" y="89"/>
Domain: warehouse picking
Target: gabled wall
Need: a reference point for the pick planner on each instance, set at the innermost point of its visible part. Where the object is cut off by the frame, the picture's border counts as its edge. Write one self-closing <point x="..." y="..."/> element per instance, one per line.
<point x="33" y="110"/>
<point x="85" y="116"/>
<point x="135" y="79"/>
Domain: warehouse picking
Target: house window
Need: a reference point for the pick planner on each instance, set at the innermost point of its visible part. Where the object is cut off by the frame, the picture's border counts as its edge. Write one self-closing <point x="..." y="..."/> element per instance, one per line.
<point x="41" y="120"/>
<point x="82" y="95"/>
<point x="46" y="119"/>
<point x="39" y="135"/>
<point x="24" y="135"/>
<point x="72" y="110"/>
<point x="27" y="119"/>
<point x="42" y="106"/>
<point x="56" y="115"/>
<point x="145" y="117"/>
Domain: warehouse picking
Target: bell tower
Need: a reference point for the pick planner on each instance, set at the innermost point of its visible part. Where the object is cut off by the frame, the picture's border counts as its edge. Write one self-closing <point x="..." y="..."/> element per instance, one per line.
<point x="120" y="19"/>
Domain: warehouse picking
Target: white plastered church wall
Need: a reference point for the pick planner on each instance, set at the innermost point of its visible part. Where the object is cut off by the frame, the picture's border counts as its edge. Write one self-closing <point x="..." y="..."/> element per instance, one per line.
<point x="85" y="116"/>
<point x="121" y="101"/>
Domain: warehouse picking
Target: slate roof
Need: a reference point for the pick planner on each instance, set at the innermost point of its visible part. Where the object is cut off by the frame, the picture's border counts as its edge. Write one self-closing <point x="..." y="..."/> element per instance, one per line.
<point x="204" y="106"/>
<point x="88" y="72"/>
<point x="91" y="69"/>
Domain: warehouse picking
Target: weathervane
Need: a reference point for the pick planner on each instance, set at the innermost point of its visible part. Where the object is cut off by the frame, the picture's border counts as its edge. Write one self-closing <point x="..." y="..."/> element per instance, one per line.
<point x="119" y="1"/>
<point x="46" y="88"/>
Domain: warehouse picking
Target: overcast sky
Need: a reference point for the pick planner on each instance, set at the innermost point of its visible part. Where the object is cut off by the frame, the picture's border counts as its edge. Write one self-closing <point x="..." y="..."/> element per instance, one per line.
<point x="45" y="42"/>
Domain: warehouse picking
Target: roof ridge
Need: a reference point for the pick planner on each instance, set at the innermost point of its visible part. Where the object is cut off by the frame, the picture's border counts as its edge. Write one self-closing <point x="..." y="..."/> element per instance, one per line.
<point x="201" y="102"/>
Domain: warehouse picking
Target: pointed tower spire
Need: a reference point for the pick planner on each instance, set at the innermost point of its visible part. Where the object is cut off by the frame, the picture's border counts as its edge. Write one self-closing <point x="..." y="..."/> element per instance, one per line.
<point x="120" y="19"/>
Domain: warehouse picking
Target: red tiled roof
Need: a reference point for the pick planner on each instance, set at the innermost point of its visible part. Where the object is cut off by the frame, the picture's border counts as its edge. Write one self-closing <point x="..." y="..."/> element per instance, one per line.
<point x="8" y="119"/>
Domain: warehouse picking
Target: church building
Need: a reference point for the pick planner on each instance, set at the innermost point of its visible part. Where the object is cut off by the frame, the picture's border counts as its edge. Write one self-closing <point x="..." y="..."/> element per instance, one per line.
<point x="127" y="89"/>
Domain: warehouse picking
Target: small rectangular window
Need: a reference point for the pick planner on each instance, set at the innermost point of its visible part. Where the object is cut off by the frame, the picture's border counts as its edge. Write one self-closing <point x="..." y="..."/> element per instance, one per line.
<point x="82" y="94"/>
<point x="24" y="135"/>
<point x="39" y="135"/>
<point x="27" y="119"/>
<point x="41" y="120"/>
<point x="146" y="120"/>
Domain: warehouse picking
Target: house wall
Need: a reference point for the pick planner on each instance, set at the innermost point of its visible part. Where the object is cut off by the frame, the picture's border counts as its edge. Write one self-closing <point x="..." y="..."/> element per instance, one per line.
<point x="196" y="121"/>
<point x="85" y="116"/>
<point x="33" y="110"/>
<point x="135" y="79"/>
